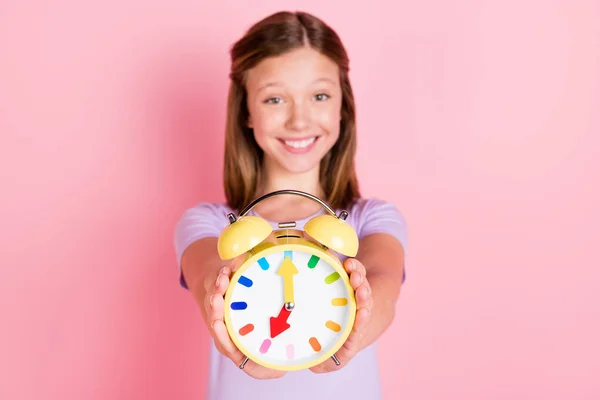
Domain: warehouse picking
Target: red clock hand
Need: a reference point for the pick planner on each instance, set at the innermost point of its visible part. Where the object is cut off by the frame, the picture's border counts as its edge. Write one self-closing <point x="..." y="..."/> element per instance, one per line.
<point x="279" y="324"/>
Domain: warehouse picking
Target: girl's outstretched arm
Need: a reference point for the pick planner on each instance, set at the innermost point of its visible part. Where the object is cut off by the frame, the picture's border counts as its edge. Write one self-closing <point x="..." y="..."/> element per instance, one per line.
<point x="381" y="259"/>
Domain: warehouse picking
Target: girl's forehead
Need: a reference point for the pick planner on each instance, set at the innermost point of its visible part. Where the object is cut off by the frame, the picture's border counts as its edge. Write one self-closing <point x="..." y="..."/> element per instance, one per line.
<point x="299" y="67"/>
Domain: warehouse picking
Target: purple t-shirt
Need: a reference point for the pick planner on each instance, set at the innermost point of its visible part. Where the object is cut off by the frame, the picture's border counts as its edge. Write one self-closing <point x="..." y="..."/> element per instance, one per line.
<point x="357" y="380"/>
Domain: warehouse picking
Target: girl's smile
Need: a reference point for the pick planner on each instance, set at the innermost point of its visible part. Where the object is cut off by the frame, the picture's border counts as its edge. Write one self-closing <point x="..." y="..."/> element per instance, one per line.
<point x="300" y="145"/>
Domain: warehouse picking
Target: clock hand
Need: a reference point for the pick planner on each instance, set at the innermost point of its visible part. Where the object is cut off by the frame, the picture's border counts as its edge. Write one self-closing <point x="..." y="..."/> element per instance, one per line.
<point x="279" y="324"/>
<point x="287" y="271"/>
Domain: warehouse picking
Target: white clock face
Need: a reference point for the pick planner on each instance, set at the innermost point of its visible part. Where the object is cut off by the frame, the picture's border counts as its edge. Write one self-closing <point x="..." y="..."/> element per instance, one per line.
<point x="290" y="338"/>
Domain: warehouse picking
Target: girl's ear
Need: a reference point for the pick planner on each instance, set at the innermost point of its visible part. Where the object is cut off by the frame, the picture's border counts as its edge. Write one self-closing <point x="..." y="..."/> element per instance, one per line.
<point x="249" y="122"/>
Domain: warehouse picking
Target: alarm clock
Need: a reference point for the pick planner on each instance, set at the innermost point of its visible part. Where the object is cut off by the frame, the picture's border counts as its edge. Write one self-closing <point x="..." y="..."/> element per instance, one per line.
<point x="290" y="304"/>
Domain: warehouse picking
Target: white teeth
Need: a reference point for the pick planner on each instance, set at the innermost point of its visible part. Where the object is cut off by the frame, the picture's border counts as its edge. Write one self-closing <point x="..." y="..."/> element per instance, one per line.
<point x="300" y="144"/>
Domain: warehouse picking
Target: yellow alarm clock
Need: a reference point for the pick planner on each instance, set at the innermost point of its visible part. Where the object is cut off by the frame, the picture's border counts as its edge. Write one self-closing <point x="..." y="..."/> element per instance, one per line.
<point x="290" y="305"/>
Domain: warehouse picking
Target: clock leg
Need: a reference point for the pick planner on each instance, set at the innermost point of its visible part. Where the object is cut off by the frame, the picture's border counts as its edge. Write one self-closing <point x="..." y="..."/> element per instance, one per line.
<point x="243" y="364"/>
<point x="337" y="362"/>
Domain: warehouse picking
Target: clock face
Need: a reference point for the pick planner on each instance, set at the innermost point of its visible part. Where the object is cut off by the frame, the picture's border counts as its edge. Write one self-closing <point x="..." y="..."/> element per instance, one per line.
<point x="286" y="338"/>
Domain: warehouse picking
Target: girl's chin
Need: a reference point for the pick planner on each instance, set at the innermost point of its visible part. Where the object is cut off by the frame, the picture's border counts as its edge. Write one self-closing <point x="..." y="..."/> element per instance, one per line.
<point x="293" y="165"/>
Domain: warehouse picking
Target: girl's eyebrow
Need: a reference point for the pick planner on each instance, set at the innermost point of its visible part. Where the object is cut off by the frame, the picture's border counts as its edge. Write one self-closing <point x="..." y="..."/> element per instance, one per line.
<point x="276" y="83"/>
<point x="324" y="80"/>
<point x="269" y="84"/>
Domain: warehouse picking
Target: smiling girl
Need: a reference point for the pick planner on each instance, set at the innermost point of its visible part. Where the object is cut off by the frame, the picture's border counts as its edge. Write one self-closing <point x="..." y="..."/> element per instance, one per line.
<point x="291" y="125"/>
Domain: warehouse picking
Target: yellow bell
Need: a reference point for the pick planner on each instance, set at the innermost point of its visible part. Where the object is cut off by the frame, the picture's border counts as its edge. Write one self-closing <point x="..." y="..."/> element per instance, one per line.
<point x="333" y="233"/>
<point x="242" y="235"/>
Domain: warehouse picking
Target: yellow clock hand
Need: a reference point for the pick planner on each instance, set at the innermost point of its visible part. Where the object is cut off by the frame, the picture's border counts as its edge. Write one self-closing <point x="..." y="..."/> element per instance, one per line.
<point x="287" y="271"/>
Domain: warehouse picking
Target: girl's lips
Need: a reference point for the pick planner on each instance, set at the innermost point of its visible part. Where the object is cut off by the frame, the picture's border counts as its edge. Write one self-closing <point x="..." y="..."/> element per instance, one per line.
<point x="299" y="146"/>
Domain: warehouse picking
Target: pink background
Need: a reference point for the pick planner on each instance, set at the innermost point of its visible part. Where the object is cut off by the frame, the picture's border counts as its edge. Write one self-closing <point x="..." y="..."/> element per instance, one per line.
<point x="479" y="119"/>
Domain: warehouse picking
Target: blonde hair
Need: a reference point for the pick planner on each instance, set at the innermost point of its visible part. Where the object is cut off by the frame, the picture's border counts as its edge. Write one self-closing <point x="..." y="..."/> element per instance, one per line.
<point x="272" y="36"/>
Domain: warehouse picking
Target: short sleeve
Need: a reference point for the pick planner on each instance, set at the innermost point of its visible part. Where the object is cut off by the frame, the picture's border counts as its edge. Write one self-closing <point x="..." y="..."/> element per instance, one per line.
<point x="201" y="221"/>
<point x="378" y="216"/>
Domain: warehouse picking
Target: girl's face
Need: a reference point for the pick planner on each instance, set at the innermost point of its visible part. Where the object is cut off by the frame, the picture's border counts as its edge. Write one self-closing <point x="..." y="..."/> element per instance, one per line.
<point x="295" y="103"/>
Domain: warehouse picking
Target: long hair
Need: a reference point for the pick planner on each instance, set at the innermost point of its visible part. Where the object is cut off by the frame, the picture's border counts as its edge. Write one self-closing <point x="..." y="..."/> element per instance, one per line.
<point x="275" y="35"/>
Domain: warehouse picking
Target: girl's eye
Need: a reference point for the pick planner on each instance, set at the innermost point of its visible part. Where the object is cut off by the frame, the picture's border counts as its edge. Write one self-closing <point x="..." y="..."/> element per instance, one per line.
<point x="273" y="100"/>
<point x="321" y="97"/>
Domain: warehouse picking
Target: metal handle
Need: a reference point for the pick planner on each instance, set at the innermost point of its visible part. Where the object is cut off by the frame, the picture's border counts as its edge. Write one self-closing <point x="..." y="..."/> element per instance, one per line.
<point x="250" y="206"/>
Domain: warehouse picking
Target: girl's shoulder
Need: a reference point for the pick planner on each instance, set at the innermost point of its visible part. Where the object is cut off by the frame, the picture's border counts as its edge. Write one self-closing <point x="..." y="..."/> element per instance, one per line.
<point x="216" y="209"/>
<point x="204" y="218"/>
<point x="366" y="209"/>
<point x="375" y="215"/>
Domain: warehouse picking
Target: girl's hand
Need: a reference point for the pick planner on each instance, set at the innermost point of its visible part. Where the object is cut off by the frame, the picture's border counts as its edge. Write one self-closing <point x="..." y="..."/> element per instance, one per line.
<point x="364" y="305"/>
<point x="214" y="304"/>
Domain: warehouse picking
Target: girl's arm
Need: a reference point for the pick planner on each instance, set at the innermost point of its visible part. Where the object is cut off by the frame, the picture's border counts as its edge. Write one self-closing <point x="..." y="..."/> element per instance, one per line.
<point x="200" y="264"/>
<point x="382" y="256"/>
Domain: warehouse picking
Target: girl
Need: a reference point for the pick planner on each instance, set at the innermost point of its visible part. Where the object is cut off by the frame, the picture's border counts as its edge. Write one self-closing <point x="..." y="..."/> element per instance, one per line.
<point x="291" y="125"/>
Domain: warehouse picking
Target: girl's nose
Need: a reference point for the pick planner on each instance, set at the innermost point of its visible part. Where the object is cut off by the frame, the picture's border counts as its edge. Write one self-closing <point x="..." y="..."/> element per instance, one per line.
<point x="299" y="117"/>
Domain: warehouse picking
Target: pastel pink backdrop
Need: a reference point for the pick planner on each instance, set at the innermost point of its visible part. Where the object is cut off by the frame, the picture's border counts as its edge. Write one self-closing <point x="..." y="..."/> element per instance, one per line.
<point x="479" y="119"/>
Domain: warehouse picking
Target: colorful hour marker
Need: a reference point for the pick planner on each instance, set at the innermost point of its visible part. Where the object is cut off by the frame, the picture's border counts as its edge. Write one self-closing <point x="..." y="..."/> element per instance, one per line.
<point x="265" y="346"/>
<point x="314" y="343"/>
<point x="313" y="261"/>
<point x="289" y="351"/>
<point x="246" y="329"/>
<point x="239" y="305"/>
<point x="287" y="253"/>
<point x="332" y="278"/>
<point x="245" y="281"/>
<point x="339" y="301"/>
<point x="264" y="264"/>
<point x="333" y="326"/>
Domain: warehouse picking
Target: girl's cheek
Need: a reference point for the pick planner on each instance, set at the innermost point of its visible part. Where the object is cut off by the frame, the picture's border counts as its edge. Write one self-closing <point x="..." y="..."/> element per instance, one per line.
<point x="328" y="117"/>
<point x="272" y="120"/>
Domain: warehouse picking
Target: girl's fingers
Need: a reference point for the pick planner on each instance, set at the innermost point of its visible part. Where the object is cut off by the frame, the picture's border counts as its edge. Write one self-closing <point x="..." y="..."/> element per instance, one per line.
<point x="214" y="303"/>
<point x="222" y="337"/>
<point x="352" y="344"/>
<point x="215" y="288"/>
<point x="215" y="308"/>
<point x="209" y="281"/>
<point x="222" y="281"/>
<point x="364" y="298"/>
<point x="219" y="330"/>
<point x="362" y="319"/>
<point x="352" y="264"/>
<point x="356" y="279"/>
<point x="221" y="284"/>
<point x="228" y="348"/>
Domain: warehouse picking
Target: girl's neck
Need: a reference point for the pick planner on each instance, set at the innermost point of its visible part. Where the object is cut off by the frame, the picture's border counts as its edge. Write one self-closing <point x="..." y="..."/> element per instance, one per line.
<point x="288" y="207"/>
<point x="303" y="182"/>
<point x="274" y="178"/>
